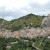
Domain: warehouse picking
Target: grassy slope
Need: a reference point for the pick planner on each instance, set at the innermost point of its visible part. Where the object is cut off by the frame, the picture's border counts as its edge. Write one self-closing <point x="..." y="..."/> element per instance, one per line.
<point x="30" y="20"/>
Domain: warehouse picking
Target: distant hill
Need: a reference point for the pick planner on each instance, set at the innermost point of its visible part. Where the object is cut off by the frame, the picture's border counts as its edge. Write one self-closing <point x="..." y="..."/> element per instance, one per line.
<point x="30" y="20"/>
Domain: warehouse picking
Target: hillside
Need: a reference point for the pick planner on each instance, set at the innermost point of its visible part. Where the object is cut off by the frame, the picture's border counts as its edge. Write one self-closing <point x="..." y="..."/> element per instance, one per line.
<point x="3" y="23"/>
<point x="27" y="21"/>
<point x="24" y="39"/>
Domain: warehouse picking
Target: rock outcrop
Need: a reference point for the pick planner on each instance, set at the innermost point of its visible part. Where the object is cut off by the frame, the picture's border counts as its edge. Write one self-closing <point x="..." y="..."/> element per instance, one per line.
<point x="46" y="21"/>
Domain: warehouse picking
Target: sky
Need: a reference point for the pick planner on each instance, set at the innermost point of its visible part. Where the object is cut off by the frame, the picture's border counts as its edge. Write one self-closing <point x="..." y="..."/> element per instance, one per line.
<point x="14" y="9"/>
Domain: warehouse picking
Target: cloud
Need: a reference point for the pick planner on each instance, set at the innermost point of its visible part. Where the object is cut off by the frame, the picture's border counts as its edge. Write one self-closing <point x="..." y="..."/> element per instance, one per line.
<point x="41" y="2"/>
<point x="12" y="9"/>
<point x="1" y="17"/>
<point x="14" y="3"/>
<point x="10" y="13"/>
<point x="8" y="18"/>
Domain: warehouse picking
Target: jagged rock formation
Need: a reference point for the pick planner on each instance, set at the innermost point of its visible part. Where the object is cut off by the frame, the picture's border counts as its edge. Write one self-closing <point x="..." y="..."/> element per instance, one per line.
<point x="46" y="21"/>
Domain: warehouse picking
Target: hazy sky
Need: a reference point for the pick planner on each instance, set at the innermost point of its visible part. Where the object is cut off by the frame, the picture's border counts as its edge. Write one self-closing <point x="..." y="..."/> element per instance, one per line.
<point x="12" y="9"/>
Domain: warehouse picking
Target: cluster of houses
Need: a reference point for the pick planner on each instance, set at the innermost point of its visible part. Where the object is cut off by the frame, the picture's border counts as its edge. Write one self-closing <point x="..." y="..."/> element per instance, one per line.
<point x="32" y="32"/>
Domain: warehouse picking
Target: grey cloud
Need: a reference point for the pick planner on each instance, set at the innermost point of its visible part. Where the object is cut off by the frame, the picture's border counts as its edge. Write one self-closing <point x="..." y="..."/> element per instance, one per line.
<point x="10" y="15"/>
<point x="38" y="9"/>
<point x="16" y="13"/>
<point x="31" y="8"/>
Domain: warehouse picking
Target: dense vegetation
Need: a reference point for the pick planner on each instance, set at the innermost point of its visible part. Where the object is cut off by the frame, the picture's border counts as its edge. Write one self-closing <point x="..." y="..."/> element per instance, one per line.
<point x="29" y="20"/>
<point x="23" y="43"/>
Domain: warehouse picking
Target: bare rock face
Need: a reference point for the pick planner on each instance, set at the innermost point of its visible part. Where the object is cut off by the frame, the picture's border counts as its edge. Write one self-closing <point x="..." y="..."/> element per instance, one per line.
<point x="46" y="21"/>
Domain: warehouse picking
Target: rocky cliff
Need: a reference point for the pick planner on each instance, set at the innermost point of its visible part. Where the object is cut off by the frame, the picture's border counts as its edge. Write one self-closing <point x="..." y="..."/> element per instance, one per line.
<point x="46" y="21"/>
